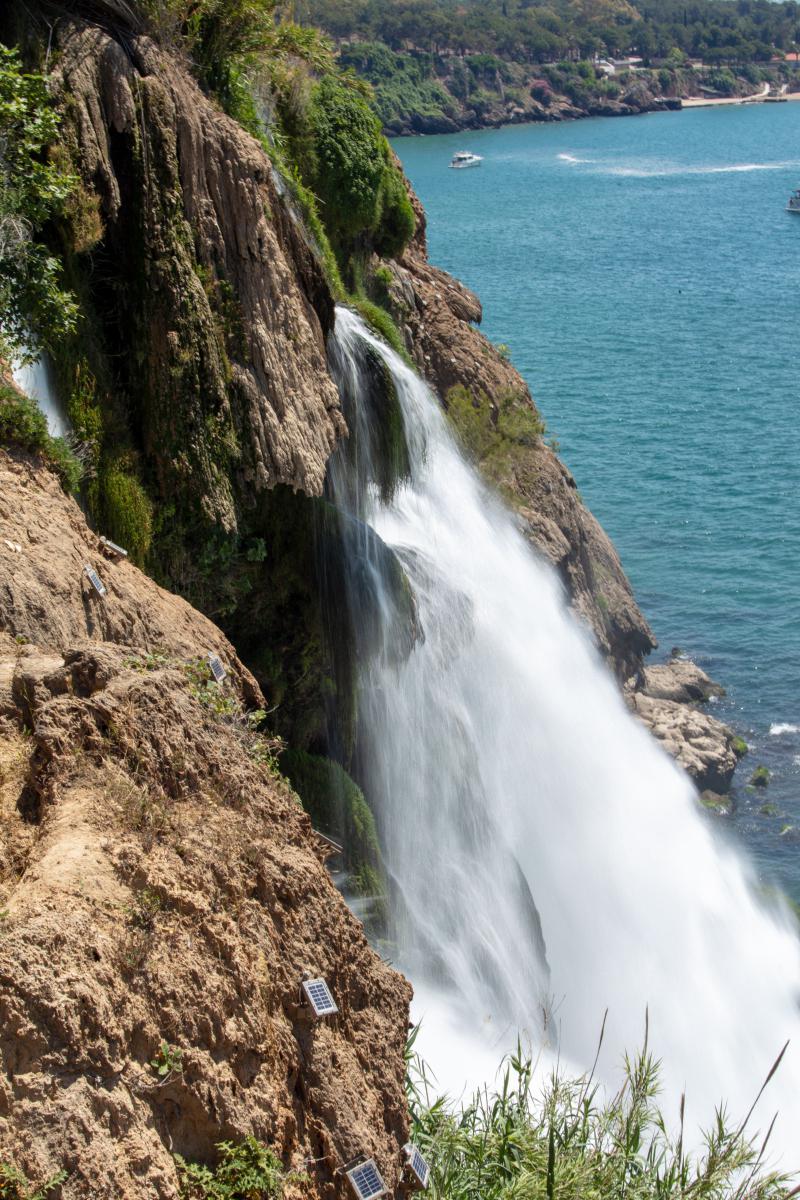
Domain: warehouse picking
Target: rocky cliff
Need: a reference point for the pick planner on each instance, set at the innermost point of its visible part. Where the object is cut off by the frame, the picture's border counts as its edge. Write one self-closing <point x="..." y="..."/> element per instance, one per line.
<point x="162" y="892"/>
<point x="160" y="883"/>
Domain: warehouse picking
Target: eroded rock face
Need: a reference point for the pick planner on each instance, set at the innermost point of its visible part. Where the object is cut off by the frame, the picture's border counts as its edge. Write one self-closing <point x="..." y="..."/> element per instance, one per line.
<point x="161" y="884"/>
<point x="221" y="305"/>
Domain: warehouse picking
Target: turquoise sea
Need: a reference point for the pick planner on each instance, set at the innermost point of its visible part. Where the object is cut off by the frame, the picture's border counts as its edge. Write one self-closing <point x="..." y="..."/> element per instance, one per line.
<point x="646" y="277"/>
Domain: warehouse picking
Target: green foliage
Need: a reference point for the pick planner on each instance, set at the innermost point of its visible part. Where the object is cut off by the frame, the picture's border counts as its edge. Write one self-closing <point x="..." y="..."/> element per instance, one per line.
<point x="348" y="161"/>
<point x="381" y="322"/>
<point x="124" y="509"/>
<point x="740" y="747"/>
<point x="397" y="221"/>
<point x="23" y="424"/>
<point x="559" y="1139"/>
<point x="33" y="302"/>
<point x="168" y="1061"/>
<point x="338" y="808"/>
<point x="14" y="1185"/>
<point x="497" y="437"/>
<point x="760" y="777"/>
<point x="246" y="1171"/>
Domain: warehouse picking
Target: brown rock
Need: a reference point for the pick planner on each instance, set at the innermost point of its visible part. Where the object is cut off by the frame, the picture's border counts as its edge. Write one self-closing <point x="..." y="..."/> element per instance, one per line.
<point x="679" y="679"/>
<point x="160" y="883"/>
<point x="702" y="745"/>
<point x="200" y="230"/>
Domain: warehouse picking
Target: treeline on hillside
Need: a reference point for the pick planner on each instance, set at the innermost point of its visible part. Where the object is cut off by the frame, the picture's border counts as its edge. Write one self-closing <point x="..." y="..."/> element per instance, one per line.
<point x="524" y="31"/>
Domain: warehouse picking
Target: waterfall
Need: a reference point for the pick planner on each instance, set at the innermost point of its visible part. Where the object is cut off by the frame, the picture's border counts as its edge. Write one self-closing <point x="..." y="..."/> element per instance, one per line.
<point x="547" y="860"/>
<point x="37" y="380"/>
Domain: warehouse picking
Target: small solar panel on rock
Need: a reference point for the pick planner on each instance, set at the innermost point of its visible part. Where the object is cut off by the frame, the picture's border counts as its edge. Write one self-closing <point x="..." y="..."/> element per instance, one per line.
<point x="217" y="669"/>
<point x="319" y="997"/>
<point x="366" y="1181"/>
<point x="417" y="1164"/>
<point x="94" y="579"/>
<point x="113" y="547"/>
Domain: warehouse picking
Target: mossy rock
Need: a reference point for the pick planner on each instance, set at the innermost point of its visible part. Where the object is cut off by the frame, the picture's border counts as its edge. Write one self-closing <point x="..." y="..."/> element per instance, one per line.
<point x="768" y="810"/>
<point x="337" y="807"/>
<point x="760" y="777"/>
<point x="714" y="802"/>
<point x="739" y="747"/>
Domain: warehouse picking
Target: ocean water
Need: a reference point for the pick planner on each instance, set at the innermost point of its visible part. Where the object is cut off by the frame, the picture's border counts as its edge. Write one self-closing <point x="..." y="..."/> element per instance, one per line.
<point x="646" y="277"/>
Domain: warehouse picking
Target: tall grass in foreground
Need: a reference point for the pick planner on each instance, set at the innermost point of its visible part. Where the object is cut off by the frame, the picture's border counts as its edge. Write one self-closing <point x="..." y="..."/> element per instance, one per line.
<point x="563" y="1139"/>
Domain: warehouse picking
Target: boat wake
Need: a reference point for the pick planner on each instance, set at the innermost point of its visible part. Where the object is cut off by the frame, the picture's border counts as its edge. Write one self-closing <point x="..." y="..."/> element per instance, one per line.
<point x="663" y="170"/>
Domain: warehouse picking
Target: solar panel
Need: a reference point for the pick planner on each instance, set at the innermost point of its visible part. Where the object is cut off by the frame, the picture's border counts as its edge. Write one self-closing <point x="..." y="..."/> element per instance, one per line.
<point x="94" y="579"/>
<point x="113" y="547"/>
<point x="217" y="669"/>
<point x="417" y="1164"/>
<point x="366" y="1181"/>
<point x="319" y="997"/>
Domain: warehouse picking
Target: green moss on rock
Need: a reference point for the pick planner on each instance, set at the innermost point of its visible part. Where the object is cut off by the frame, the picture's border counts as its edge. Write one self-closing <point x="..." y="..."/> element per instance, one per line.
<point x="338" y="808"/>
<point x="24" y="425"/>
<point x="760" y="777"/>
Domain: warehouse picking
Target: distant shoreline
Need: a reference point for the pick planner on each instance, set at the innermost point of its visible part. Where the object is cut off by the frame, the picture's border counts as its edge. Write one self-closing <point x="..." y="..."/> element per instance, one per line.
<point x="709" y="102"/>
<point x="678" y="104"/>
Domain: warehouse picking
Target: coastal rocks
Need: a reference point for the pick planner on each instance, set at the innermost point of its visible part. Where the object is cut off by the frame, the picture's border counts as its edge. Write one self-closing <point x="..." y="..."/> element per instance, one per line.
<point x="665" y="698"/>
<point x="159" y="883"/>
<point x="680" y="680"/>
<point x="703" y="746"/>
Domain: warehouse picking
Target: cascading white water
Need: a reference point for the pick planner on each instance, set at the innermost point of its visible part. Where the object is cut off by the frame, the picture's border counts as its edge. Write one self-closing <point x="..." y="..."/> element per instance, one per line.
<point x="509" y="778"/>
<point x="37" y="380"/>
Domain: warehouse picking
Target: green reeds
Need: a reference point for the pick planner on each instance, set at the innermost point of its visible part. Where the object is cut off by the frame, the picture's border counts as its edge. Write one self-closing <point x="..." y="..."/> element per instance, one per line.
<point x="556" y="1138"/>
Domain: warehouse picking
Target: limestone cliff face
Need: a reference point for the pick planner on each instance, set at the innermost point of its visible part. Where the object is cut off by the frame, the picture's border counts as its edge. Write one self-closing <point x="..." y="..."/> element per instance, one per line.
<point x="211" y="282"/>
<point x="159" y="883"/>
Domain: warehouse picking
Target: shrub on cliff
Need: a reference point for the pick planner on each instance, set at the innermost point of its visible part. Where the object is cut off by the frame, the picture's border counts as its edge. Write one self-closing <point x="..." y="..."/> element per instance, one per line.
<point x="33" y="190"/>
<point x="347" y="163"/>
<point x="23" y="424"/>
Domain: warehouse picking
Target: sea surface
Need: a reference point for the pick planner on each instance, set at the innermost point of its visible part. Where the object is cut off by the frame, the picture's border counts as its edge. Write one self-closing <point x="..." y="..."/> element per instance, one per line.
<point x="645" y="276"/>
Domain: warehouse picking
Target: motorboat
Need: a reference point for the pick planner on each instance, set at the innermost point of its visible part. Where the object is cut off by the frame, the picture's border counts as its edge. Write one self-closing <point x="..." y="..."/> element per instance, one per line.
<point x="794" y="201"/>
<point x="465" y="158"/>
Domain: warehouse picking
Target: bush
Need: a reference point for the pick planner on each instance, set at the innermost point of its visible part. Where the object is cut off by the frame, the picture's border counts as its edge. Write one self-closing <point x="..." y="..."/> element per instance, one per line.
<point x="23" y="424"/>
<point x="247" y="1171"/>
<point x="397" y="220"/>
<point x="125" y="510"/>
<point x="32" y="191"/>
<point x="491" y="433"/>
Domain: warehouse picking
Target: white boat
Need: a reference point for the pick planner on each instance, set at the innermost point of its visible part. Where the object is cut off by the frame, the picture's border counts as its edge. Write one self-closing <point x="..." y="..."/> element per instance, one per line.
<point x="794" y="201"/>
<point x="465" y="158"/>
